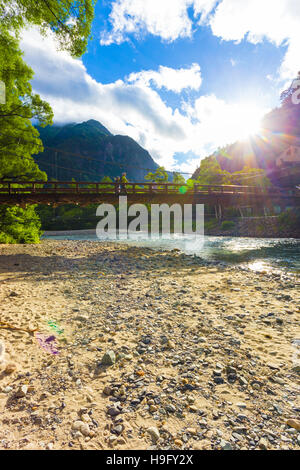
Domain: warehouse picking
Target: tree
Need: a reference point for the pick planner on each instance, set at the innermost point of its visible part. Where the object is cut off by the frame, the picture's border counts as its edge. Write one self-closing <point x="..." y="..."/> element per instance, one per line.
<point x="178" y="178"/>
<point x="18" y="137"/>
<point x="159" y="176"/>
<point x="69" y="20"/>
<point x="210" y="172"/>
<point x="251" y="177"/>
<point x="107" y="179"/>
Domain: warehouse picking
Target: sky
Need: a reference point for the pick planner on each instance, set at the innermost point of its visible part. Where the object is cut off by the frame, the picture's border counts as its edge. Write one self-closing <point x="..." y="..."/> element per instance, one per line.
<point x="181" y="77"/>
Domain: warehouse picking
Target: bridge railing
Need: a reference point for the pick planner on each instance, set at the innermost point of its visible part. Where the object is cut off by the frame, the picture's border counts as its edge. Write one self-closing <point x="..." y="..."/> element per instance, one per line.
<point x="84" y="187"/>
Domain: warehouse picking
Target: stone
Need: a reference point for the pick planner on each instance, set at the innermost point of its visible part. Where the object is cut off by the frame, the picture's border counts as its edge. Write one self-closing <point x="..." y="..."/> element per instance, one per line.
<point x="154" y="433"/>
<point x="294" y="423"/>
<point x="76" y="425"/>
<point x="85" y="429"/>
<point x="22" y="391"/>
<point x="113" y="411"/>
<point x="107" y="390"/>
<point x="263" y="444"/>
<point x="178" y="443"/>
<point x="192" y="431"/>
<point x="109" y="358"/>
<point x="225" y="445"/>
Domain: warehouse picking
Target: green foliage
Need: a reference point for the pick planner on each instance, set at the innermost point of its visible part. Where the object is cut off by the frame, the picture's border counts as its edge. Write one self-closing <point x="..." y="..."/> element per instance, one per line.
<point x="178" y="178"/>
<point x="19" y="225"/>
<point x="67" y="217"/>
<point x="18" y="138"/>
<point x="290" y="219"/>
<point x="227" y="225"/>
<point x="69" y="20"/>
<point x="210" y="172"/>
<point x="159" y="176"/>
<point x="210" y="224"/>
<point x="251" y="177"/>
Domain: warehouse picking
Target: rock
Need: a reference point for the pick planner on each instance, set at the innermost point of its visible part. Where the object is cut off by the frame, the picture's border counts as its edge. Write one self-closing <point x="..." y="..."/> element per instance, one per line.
<point x="109" y="358"/>
<point x="171" y="344"/>
<point x="242" y="405"/>
<point x="113" y="411"/>
<point x="225" y="445"/>
<point x="76" y="425"/>
<point x="107" y="390"/>
<point x="112" y="439"/>
<point x="178" y="443"/>
<point x="263" y="444"/>
<point x="49" y="446"/>
<point x="170" y="408"/>
<point x="82" y="427"/>
<point x="218" y="380"/>
<point x="22" y="391"/>
<point x="85" y="429"/>
<point x="294" y="423"/>
<point x="192" y="431"/>
<point x="118" y="429"/>
<point x="154" y="433"/>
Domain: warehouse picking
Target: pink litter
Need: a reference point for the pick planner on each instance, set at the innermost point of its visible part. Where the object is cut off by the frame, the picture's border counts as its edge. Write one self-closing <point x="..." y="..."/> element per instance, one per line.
<point x="47" y="343"/>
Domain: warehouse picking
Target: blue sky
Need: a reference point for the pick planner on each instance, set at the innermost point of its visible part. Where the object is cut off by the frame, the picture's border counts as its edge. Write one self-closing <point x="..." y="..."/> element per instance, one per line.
<point x="182" y="77"/>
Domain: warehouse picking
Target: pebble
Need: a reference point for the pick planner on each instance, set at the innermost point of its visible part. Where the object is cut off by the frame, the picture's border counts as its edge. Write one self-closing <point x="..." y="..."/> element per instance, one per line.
<point x="154" y="433"/>
<point x="22" y="391"/>
<point x="109" y="358"/>
<point x="225" y="445"/>
<point x="294" y="423"/>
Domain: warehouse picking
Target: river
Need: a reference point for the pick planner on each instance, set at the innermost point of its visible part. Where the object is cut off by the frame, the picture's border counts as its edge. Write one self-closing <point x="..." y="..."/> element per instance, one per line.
<point x="258" y="254"/>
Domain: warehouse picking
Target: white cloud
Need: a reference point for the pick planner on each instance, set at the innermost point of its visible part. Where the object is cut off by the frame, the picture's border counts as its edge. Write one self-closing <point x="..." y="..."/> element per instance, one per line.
<point x="168" y="19"/>
<point x="133" y="107"/>
<point x="256" y="20"/>
<point x="231" y="20"/>
<point x="171" y="79"/>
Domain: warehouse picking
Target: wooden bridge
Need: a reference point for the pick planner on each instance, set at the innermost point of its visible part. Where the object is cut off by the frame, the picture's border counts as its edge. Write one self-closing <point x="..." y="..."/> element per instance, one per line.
<point x="83" y="193"/>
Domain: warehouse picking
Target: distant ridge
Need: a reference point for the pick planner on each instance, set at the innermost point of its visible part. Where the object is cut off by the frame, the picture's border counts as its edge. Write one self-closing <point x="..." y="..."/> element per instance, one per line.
<point x="104" y="154"/>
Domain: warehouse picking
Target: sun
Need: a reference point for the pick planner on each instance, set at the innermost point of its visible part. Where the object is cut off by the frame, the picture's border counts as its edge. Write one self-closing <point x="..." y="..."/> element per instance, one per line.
<point x="248" y="121"/>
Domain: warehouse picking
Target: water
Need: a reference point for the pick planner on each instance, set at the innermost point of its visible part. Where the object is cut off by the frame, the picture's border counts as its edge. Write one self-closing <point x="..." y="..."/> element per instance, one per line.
<point x="257" y="254"/>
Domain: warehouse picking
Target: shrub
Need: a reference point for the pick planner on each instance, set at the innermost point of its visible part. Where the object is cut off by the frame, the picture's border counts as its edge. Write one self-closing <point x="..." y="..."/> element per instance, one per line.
<point x="290" y="219"/>
<point x="19" y="225"/>
<point x="227" y="225"/>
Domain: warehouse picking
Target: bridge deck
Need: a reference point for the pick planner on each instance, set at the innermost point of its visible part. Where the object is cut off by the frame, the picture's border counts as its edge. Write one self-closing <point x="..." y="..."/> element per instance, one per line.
<point x="62" y="192"/>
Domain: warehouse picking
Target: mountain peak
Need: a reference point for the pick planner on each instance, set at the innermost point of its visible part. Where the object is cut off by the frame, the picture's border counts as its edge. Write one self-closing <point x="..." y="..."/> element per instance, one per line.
<point x="96" y="125"/>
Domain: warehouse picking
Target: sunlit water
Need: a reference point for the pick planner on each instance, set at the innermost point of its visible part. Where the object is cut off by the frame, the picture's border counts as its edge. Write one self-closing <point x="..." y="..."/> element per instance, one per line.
<point x="258" y="254"/>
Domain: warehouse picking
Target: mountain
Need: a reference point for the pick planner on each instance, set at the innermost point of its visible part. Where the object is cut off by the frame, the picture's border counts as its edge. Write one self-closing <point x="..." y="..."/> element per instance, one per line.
<point x="88" y="151"/>
<point x="280" y="130"/>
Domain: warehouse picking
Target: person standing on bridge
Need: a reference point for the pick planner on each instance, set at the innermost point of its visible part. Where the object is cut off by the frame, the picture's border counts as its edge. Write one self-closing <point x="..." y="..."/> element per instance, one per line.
<point x="124" y="180"/>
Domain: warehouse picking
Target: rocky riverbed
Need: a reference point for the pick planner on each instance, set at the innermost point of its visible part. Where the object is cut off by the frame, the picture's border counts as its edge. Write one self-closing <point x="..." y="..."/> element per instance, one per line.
<point x="155" y="350"/>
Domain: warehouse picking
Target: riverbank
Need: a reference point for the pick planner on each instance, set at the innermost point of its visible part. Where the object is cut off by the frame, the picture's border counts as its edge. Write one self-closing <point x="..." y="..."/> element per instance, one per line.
<point x="200" y="356"/>
<point x="253" y="227"/>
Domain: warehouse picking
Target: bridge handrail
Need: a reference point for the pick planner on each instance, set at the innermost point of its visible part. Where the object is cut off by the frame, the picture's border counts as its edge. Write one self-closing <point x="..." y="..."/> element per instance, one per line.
<point x="19" y="186"/>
